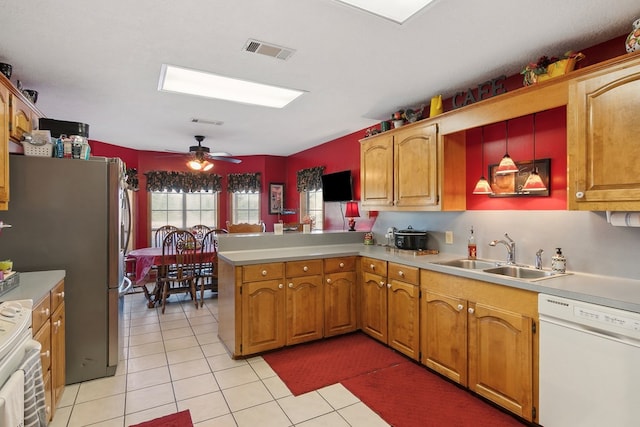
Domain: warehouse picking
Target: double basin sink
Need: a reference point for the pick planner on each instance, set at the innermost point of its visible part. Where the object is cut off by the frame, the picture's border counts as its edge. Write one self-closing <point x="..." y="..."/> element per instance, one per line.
<point x="510" y="270"/>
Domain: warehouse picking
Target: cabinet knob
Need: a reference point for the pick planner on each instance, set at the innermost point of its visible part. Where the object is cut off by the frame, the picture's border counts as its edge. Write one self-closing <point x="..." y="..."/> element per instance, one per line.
<point x="401" y="273"/>
<point x="373" y="267"/>
<point x="328" y="280"/>
<point x="45" y="354"/>
<point x="61" y="295"/>
<point x="57" y="323"/>
<point x="460" y="307"/>
<point x="264" y="272"/>
<point x="280" y="286"/>
<point x="381" y="284"/>
<point x="471" y="310"/>
<point x="342" y="265"/>
<point x="46" y="312"/>
<point x="291" y="285"/>
<point x="389" y="285"/>
<point x="305" y="268"/>
<point x="579" y="194"/>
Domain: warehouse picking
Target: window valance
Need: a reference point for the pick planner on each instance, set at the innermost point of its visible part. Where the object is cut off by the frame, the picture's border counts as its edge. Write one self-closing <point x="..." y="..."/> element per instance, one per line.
<point x="310" y="179"/>
<point x="131" y="179"/>
<point x="244" y="182"/>
<point x="186" y="182"/>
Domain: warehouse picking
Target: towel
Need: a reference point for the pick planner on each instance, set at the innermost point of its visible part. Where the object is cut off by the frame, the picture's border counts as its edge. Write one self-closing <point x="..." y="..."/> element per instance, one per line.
<point x="12" y="401"/>
<point x="624" y="219"/>
<point x="35" y="412"/>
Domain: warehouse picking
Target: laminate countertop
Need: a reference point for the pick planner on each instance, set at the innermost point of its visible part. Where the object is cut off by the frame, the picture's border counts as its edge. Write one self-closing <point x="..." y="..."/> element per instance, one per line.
<point x="34" y="285"/>
<point x="616" y="292"/>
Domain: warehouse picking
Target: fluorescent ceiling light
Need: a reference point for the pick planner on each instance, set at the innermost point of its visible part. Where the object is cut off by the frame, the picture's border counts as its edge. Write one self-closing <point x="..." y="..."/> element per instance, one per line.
<point x="201" y="83"/>
<point x="398" y="11"/>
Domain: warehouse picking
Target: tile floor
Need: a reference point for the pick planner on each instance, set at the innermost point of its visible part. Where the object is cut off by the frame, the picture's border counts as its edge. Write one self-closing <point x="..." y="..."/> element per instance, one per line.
<point x="175" y="362"/>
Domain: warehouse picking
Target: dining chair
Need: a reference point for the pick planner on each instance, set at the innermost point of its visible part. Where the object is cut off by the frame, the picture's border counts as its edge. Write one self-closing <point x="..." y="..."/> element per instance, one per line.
<point x="245" y="227"/>
<point x="161" y="233"/>
<point x="208" y="263"/>
<point x="177" y="273"/>
<point x="199" y="231"/>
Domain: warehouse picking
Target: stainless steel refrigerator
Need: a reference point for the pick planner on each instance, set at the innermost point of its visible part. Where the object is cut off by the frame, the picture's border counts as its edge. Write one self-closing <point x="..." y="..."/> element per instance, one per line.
<point x="68" y="214"/>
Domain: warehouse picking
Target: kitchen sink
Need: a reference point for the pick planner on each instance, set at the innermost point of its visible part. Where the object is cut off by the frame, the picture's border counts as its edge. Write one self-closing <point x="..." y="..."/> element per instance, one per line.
<point x="472" y="264"/>
<point x="520" y="272"/>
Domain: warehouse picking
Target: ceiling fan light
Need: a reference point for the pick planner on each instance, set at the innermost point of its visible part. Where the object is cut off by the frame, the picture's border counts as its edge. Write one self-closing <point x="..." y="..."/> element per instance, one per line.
<point x="534" y="182"/>
<point x="482" y="186"/>
<point x="506" y="166"/>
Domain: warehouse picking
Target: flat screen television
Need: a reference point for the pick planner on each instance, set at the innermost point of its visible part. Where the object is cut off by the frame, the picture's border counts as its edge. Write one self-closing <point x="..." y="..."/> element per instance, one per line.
<point x="337" y="187"/>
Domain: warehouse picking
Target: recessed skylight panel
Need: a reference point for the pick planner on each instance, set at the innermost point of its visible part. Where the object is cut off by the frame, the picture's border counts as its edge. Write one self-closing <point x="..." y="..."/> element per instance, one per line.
<point x="396" y="10"/>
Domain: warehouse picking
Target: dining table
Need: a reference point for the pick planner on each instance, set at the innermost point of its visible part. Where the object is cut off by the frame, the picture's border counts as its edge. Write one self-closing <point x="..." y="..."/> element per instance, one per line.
<point x="147" y="258"/>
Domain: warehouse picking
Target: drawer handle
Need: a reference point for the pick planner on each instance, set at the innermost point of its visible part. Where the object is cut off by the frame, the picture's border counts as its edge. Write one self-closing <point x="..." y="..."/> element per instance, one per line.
<point x="471" y="310"/>
<point x="46" y="312"/>
<point x="342" y="265"/>
<point x="328" y="280"/>
<point x="291" y="285"/>
<point x="264" y="272"/>
<point x="305" y="268"/>
<point x="61" y="295"/>
<point x="401" y="273"/>
<point x="57" y="323"/>
<point x="373" y="267"/>
<point x="45" y="354"/>
<point x="280" y="286"/>
<point x="460" y="307"/>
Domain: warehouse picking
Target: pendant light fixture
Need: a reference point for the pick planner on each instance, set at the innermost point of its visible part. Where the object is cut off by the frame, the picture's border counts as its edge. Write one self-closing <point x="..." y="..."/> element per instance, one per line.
<point x="506" y="165"/>
<point x="482" y="186"/>
<point x="534" y="181"/>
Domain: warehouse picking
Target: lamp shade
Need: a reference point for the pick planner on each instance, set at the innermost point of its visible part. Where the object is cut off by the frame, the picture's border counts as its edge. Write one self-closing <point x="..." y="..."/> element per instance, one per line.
<point x="507" y="165"/>
<point x="534" y="182"/>
<point x="482" y="187"/>
<point x="199" y="165"/>
<point x="352" y="210"/>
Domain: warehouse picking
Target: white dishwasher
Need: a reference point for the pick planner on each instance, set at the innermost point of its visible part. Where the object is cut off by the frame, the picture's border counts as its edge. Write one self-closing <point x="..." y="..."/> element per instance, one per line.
<point x="589" y="364"/>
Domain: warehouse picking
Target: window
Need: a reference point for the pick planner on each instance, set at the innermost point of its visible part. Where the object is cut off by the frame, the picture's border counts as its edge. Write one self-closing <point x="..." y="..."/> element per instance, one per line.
<point x="245" y="207"/>
<point x="311" y="205"/>
<point x="183" y="210"/>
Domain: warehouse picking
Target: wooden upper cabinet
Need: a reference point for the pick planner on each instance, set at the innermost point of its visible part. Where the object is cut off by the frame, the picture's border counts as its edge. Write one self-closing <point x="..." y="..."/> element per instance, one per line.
<point x="376" y="171"/>
<point x="21" y="118"/>
<point x="4" y="148"/>
<point x="412" y="169"/>
<point x="602" y="132"/>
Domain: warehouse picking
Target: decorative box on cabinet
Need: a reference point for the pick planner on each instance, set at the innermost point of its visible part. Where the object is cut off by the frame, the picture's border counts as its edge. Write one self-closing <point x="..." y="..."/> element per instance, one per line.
<point x="390" y="304"/>
<point x="340" y="307"/>
<point x="407" y="169"/>
<point x="48" y="329"/>
<point x="482" y="336"/>
<point x="602" y="127"/>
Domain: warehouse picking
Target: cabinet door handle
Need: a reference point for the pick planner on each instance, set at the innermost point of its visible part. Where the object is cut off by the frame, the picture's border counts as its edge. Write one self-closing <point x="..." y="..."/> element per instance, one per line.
<point x="328" y="280"/>
<point x="46" y="312"/>
<point x="305" y="268"/>
<point x="389" y="285"/>
<point x="61" y="295"/>
<point x="579" y="194"/>
<point x="373" y="267"/>
<point x="280" y="286"/>
<point x="381" y="284"/>
<point x="342" y="265"/>
<point x="264" y="272"/>
<point x="57" y="323"/>
<point x="45" y="354"/>
<point x="291" y="285"/>
<point x="471" y="310"/>
<point x="460" y="307"/>
<point x="401" y="273"/>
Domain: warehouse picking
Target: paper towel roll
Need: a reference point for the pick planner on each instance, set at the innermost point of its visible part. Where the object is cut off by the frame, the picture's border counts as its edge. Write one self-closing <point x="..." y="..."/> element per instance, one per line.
<point x="625" y="219"/>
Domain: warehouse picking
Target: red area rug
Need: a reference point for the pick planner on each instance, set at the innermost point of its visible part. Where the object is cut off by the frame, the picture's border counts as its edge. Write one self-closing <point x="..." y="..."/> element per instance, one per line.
<point x="308" y="367"/>
<point x="408" y="395"/>
<point x="402" y="392"/>
<point x="179" y="419"/>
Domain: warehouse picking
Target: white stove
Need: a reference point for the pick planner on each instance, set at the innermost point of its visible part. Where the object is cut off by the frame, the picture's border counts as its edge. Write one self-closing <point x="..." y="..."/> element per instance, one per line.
<point x="15" y="324"/>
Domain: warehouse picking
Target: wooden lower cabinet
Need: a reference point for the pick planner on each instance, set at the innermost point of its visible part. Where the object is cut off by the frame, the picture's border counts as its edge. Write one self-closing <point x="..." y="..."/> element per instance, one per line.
<point x="48" y="323"/>
<point x="482" y="336"/>
<point x="390" y="304"/>
<point x="263" y="316"/>
<point x="340" y="302"/>
<point x="304" y="301"/>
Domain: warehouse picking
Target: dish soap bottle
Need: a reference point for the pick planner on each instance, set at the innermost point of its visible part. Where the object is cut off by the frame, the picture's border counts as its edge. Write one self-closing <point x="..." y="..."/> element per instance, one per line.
<point x="558" y="262"/>
<point x="471" y="246"/>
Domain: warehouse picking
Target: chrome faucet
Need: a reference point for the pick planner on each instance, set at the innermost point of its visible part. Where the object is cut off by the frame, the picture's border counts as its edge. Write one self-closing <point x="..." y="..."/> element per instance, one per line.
<point x="511" y="248"/>
<point x="539" y="259"/>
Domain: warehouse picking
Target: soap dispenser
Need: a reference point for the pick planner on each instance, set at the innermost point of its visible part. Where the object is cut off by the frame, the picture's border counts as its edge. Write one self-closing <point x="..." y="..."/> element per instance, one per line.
<point x="471" y="246"/>
<point x="558" y="262"/>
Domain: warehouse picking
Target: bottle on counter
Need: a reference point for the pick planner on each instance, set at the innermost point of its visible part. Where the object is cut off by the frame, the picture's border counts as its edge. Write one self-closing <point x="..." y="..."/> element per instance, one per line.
<point x="471" y="246"/>
<point x="558" y="262"/>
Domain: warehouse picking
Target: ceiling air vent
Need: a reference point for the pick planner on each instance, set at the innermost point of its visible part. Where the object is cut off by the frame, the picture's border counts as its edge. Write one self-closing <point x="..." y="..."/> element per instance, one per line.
<point x="279" y="52"/>
<point x="207" y="122"/>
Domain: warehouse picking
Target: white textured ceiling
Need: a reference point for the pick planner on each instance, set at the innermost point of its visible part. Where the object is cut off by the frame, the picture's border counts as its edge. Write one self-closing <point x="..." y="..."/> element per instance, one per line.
<point x="98" y="62"/>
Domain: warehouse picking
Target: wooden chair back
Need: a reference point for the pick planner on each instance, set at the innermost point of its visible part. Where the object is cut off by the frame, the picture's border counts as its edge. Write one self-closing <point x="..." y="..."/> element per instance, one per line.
<point x="199" y="231"/>
<point x="208" y="263"/>
<point x="178" y="270"/>
<point x="246" y="228"/>
<point x="161" y="233"/>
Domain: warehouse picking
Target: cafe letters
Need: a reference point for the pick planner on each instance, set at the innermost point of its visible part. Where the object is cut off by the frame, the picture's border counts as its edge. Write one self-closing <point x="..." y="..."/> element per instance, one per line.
<point x="484" y="90"/>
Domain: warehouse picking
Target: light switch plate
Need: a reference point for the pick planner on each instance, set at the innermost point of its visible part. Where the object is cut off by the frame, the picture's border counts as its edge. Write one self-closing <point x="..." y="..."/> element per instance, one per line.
<point x="448" y="237"/>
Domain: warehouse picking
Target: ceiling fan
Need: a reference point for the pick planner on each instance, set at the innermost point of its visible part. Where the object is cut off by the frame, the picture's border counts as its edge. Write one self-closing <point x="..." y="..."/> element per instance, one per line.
<point x="202" y="155"/>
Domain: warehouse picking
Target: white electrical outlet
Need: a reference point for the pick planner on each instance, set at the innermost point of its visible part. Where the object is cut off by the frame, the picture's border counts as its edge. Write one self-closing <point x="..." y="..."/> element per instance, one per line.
<point x="448" y="237"/>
